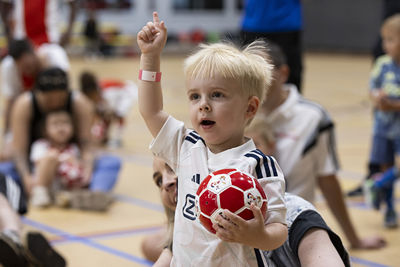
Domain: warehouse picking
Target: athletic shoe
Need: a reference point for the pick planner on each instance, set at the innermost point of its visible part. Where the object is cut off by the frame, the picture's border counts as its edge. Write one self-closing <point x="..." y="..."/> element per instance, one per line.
<point x="42" y="252"/>
<point x="371" y="196"/>
<point x="40" y="197"/>
<point x="358" y="191"/>
<point x="12" y="254"/>
<point x="391" y="219"/>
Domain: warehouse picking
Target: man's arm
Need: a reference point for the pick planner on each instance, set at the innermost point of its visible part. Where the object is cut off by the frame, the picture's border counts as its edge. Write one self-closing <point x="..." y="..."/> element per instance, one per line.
<point x="20" y="122"/>
<point x="73" y="8"/>
<point x="151" y="40"/>
<point x="332" y="192"/>
<point x="316" y="249"/>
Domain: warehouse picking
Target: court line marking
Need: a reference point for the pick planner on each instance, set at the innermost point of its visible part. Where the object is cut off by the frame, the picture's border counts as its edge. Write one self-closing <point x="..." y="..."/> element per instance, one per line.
<point x="367" y="262"/>
<point x="86" y="242"/>
<point x="110" y="234"/>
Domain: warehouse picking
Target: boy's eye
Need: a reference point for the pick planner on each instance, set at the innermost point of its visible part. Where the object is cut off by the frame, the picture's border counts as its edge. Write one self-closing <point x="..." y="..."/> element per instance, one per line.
<point x="217" y="94"/>
<point x="194" y="96"/>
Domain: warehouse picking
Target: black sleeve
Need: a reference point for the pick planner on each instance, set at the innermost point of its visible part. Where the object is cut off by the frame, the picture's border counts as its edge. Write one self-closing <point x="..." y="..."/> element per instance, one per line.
<point x="311" y="219"/>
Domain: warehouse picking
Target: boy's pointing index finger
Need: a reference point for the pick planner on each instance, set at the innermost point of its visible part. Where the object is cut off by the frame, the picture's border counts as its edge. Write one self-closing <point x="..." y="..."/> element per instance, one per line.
<point x="156" y="19"/>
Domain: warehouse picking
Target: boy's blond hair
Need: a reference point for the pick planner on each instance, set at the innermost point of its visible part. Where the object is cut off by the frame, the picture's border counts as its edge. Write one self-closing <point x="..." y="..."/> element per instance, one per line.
<point x="262" y="128"/>
<point x="392" y="23"/>
<point x="248" y="66"/>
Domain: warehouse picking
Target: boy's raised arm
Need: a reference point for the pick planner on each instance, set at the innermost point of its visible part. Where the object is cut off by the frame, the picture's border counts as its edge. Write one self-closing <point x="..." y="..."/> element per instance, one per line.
<point x="151" y="40"/>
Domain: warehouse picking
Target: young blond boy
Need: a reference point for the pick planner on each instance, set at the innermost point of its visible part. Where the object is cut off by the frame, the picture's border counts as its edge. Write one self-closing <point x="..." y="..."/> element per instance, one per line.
<point x="224" y="87"/>
<point x="385" y="96"/>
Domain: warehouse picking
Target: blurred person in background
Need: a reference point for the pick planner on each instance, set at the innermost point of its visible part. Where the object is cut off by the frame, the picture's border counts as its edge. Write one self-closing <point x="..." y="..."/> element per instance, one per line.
<point x="280" y="22"/>
<point x="37" y="20"/>
<point x="305" y="148"/>
<point x="390" y="7"/>
<point x="113" y="100"/>
<point x="18" y="71"/>
<point x="28" y="113"/>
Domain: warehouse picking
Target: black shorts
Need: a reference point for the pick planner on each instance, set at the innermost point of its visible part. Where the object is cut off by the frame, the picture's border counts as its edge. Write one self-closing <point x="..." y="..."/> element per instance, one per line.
<point x="14" y="193"/>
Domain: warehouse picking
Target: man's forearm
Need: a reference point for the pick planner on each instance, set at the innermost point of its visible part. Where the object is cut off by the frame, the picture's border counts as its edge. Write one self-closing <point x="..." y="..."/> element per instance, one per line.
<point x="332" y="192"/>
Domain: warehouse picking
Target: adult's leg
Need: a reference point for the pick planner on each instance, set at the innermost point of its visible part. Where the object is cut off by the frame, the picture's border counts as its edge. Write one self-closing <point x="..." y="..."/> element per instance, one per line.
<point x="152" y="245"/>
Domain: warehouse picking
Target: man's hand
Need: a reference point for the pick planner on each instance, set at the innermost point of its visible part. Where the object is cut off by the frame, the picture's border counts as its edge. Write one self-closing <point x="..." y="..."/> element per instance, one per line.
<point x="372" y="242"/>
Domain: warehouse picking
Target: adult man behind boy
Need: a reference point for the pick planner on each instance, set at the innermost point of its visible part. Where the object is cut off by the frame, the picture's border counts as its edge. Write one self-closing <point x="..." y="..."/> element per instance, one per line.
<point x="305" y="148"/>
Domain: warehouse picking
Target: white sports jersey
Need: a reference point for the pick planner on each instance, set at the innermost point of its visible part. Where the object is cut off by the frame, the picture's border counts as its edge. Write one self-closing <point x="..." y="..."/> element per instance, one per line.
<point x="36" y="20"/>
<point x="185" y="151"/>
<point x="12" y="84"/>
<point x="305" y="147"/>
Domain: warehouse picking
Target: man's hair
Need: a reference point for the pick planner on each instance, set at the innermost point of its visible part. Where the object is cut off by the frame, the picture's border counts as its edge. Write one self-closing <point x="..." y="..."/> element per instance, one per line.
<point x="392" y="22"/>
<point x="18" y="48"/>
<point x="249" y="66"/>
<point x="52" y="79"/>
<point x="276" y="55"/>
<point x="88" y="82"/>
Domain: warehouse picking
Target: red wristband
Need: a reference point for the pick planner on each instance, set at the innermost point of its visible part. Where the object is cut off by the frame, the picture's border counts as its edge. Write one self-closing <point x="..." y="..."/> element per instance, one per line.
<point x="150" y="76"/>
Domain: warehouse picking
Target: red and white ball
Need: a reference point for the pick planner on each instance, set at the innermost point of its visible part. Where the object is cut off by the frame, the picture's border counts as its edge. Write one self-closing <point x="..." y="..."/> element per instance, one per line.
<point x="228" y="189"/>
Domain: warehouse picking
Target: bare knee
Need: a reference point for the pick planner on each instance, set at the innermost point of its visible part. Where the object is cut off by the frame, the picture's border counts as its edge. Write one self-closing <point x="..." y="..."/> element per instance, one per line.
<point x="152" y="246"/>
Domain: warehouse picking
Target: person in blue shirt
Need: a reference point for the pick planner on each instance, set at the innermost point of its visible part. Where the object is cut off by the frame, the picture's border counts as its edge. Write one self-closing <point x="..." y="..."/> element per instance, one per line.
<point x="278" y="21"/>
<point x="385" y="96"/>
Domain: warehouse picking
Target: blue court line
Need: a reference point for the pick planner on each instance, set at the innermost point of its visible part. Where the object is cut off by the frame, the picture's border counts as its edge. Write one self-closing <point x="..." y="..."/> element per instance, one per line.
<point x="366" y="262"/>
<point x="109" y="235"/>
<point x="87" y="242"/>
<point x="139" y="202"/>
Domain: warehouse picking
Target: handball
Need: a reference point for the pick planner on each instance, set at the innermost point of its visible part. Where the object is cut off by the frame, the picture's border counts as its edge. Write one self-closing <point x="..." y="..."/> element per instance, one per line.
<point x="228" y="189"/>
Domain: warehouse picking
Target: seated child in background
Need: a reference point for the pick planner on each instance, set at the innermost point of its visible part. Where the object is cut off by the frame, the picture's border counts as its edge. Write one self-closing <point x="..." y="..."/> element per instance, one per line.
<point x="224" y="88"/>
<point x="113" y="100"/>
<point x="385" y="96"/>
<point x="56" y="161"/>
<point x="308" y="239"/>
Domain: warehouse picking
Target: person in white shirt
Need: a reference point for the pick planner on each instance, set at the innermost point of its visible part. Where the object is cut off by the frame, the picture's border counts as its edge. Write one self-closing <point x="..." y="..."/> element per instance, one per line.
<point x="305" y="148"/>
<point x="224" y="87"/>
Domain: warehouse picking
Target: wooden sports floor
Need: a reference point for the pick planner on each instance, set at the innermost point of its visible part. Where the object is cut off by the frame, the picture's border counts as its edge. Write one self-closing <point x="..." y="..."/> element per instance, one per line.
<point x="337" y="81"/>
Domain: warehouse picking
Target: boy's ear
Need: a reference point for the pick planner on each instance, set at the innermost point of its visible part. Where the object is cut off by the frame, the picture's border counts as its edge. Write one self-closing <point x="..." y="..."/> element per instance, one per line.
<point x="252" y="106"/>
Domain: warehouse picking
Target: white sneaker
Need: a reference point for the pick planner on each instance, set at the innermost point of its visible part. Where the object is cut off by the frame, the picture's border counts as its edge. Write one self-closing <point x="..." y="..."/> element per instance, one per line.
<point x="40" y="197"/>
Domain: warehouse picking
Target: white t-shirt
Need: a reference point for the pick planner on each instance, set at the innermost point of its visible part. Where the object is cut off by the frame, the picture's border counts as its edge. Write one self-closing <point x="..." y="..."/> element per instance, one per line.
<point x="185" y="151"/>
<point x="36" y="20"/>
<point x="52" y="55"/>
<point x="305" y="143"/>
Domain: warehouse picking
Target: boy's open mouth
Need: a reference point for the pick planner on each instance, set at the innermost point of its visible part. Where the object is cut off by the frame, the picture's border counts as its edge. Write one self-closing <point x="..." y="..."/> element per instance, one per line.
<point x="207" y="122"/>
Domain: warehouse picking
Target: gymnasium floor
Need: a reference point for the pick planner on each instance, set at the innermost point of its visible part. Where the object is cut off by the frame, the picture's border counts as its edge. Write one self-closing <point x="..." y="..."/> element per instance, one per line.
<point x="88" y="239"/>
